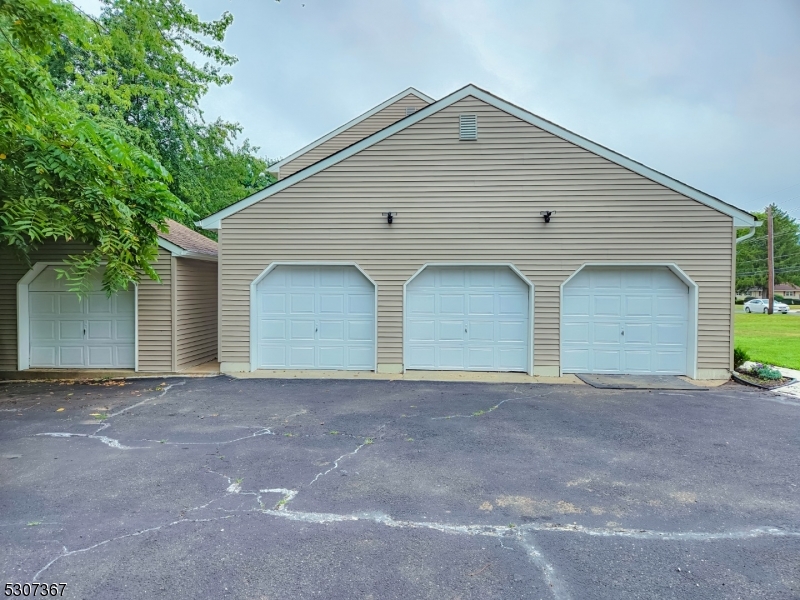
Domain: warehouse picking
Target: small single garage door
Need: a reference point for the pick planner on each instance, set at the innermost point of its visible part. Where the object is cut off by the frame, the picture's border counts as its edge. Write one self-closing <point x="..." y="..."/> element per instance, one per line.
<point x="467" y="318"/>
<point x="66" y="331"/>
<point x="625" y="320"/>
<point x="316" y="317"/>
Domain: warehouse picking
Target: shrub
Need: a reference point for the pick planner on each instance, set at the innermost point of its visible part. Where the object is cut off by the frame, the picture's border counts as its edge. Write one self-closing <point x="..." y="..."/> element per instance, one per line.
<point x="740" y="357"/>
<point x="765" y="372"/>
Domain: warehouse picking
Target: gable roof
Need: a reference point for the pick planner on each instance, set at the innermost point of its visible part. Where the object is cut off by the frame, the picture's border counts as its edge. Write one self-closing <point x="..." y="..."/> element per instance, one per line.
<point x="740" y="217"/>
<point x="275" y="167"/>
<point x="182" y="241"/>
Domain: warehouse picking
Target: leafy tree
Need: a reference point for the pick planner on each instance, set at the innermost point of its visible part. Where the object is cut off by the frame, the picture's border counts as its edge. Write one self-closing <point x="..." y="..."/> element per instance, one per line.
<point x="65" y="173"/>
<point x="148" y="85"/>
<point x="751" y="255"/>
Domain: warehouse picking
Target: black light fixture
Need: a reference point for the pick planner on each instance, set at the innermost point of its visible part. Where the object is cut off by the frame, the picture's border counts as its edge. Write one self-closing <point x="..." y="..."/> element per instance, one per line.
<point x="547" y="214"/>
<point x="389" y="216"/>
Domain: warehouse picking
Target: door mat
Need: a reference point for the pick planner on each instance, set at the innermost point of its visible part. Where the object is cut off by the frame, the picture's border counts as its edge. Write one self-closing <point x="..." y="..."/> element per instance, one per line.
<point x="637" y="382"/>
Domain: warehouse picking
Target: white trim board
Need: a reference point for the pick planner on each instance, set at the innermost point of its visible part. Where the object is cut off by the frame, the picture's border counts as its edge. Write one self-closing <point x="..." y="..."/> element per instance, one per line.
<point x="740" y="217"/>
<point x="694" y="309"/>
<point x="23" y="316"/>
<point x="254" y="300"/>
<point x="276" y="167"/>
<point x="528" y="282"/>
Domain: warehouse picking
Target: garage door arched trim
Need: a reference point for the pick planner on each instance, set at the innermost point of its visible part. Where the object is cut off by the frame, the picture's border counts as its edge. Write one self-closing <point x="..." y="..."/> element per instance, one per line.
<point x="23" y="315"/>
<point x="514" y="269"/>
<point x="691" y="350"/>
<point x="268" y="270"/>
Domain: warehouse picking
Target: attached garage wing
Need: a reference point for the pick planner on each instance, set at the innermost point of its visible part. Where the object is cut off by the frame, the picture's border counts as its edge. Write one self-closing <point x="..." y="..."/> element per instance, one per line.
<point x="631" y="320"/>
<point x="315" y="317"/>
<point x="467" y="318"/>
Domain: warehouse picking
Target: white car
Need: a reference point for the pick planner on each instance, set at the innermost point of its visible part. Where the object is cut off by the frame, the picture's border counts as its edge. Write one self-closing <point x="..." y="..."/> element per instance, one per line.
<point x="759" y="305"/>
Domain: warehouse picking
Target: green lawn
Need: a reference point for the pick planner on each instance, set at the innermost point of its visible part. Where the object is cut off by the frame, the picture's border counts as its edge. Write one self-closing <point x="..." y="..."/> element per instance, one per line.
<point x="773" y="339"/>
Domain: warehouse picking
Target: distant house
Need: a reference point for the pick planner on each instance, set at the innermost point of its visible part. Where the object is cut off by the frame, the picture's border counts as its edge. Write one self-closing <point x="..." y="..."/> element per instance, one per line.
<point x="787" y="290"/>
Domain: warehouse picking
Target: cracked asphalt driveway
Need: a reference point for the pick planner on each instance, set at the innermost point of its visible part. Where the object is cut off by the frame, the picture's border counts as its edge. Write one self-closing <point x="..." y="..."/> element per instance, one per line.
<point x="376" y="489"/>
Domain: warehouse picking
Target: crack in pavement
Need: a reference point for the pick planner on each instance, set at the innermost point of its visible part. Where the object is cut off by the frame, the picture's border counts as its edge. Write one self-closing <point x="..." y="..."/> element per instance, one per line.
<point x="113" y="443"/>
<point x="521" y="534"/>
<point x="261" y="431"/>
<point x="479" y="413"/>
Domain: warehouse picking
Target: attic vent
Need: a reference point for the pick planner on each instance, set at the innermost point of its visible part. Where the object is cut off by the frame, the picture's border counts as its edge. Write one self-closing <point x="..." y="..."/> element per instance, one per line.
<point x="468" y="127"/>
<point x="410" y="110"/>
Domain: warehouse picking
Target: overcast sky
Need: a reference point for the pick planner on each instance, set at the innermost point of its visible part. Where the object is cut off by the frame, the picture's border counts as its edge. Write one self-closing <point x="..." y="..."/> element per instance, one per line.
<point x="707" y="92"/>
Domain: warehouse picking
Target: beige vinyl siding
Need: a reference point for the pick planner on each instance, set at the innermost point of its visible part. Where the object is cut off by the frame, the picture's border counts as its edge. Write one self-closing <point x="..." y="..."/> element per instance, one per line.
<point x="155" y="318"/>
<point x="196" y="308"/>
<point x="380" y="120"/>
<point x="478" y="202"/>
<point x="13" y="269"/>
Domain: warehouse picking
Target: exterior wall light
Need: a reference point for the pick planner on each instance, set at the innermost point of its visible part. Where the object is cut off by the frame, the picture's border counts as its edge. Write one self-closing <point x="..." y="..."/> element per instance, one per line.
<point x="547" y="214"/>
<point x="389" y="216"/>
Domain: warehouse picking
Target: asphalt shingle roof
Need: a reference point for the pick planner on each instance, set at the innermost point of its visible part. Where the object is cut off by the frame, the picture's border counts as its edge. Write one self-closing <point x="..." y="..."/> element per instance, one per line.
<point x="189" y="240"/>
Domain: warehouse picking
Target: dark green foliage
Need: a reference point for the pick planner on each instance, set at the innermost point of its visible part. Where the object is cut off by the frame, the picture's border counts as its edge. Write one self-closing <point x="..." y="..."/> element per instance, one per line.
<point x="740" y="356"/>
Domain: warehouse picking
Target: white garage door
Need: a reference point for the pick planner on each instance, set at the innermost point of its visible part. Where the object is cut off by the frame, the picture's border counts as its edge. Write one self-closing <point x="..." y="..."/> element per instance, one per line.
<point x="625" y="320"/>
<point x="316" y="318"/>
<point x="467" y="318"/>
<point x="94" y="332"/>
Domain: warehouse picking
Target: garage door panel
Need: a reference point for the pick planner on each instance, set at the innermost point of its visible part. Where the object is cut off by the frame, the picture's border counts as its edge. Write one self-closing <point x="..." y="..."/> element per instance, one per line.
<point x="422" y="330"/>
<point x="361" y="304"/>
<point x="43" y="330"/>
<point x="638" y="306"/>
<point x="124" y="354"/>
<point x="576" y="332"/>
<point x="361" y="331"/>
<point x="331" y="330"/>
<point x="100" y="356"/>
<point x="606" y="333"/>
<point x="43" y="356"/>
<point x="100" y="330"/>
<point x="331" y="304"/>
<point x="577" y="305"/>
<point x="422" y="304"/>
<point x="70" y="330"/>
<point x="331" y="357"/>
<point x="607" y="306"/>
<point x="43" y="303"/>
<point x="575" y="360"/>
<point x="124" y="331"/>
<point x="513" y="304"/>
<point x="512" y="331"/>
<point x="451" y="357"/>
<point x="302" y="357"/>
<point x="641" y="327"/>
<point x="273" y="304"/>
<point x="451" y="304"/>
<point x="493" y="302"/>
<point x="71" y="356"/>
<point x="301" y="329"/>
<point x="302" y="303"/>
<point x="69" y="304"/>
<point x="638" y="333"/>
<point x="273" y="329"/>
<point x="451" y="330"/>
<point x="323" y="318"/>
<point x="100" y="304"/>
<point x="481" y="304"/>
<point x="481" y="331"/>
<point x="669" y="362"/>
<point x="480" y="358"/>
<point x="606" y="361"/>
<point x="360" y="357"/>
<point x="638" y="361"/>
<point x="510" y="358"/>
